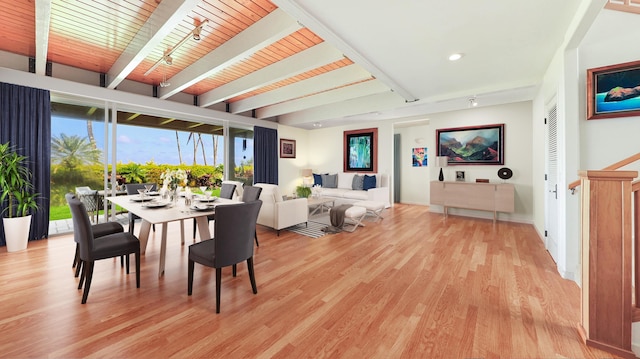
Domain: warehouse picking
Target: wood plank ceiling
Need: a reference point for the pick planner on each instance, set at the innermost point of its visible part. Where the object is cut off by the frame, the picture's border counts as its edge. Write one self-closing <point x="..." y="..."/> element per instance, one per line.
<point x="248" y="56"/>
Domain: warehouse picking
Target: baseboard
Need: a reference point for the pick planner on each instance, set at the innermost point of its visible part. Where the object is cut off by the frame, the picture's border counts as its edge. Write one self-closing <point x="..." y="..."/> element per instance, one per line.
<point x="481" y="214"/>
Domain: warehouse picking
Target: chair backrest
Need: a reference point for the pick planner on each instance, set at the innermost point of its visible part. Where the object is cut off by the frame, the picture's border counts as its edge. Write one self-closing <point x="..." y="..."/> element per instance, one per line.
<point x="132" y="188"/>
<point x="227" y="190"/>
<point x="251" y="193"/>
<point x="82" y="233"/>
<point x="239" y="188"/>
<point x="234" y="231"/>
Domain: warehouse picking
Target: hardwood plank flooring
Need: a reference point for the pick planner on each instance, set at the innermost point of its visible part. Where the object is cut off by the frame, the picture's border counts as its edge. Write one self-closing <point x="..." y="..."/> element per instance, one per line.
<point x="411" y="286"/>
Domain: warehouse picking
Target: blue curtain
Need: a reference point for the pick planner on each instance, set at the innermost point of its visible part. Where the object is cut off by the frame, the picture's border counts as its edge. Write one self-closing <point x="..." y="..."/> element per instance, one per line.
<point x="265" y="155"/>
<point x="25" y="121"/>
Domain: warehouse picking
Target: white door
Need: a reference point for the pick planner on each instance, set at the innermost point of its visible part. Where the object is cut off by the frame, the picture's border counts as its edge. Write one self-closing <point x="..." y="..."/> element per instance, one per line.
<point x="551" y="201"/>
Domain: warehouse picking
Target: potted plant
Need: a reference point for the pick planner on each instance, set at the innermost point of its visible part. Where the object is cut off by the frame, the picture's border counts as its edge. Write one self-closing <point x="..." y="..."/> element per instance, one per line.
<point x="16" y="193"/>
<point x="303" y="191"/>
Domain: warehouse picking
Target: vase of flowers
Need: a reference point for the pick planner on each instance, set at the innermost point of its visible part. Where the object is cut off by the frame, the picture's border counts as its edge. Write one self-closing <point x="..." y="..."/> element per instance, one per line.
<point x="172" y="180"/>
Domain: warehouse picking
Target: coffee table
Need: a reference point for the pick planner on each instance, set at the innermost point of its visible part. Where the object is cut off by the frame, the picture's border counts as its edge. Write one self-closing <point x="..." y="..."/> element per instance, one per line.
<point x="319" y="204"/>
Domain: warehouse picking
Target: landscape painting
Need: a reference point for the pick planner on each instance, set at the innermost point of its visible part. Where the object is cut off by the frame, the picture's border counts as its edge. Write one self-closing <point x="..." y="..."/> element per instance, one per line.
<point x="613" y="91"/>
<point x="477" y="145"/>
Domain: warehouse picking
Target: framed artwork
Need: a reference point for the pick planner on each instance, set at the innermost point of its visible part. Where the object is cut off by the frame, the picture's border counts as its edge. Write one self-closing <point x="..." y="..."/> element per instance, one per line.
<point x="613" y="91"/>
<point x="475" y="145"/>
<point x="287" y="148"/>
<point x="419" y="157"/>
<point x="361" y="150"/>
<point x="460" y="176"/>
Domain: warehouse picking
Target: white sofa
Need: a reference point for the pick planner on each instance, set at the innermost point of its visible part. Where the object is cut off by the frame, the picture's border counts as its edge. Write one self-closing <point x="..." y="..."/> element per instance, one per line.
<point x="278" y="213"/>
<point x="345" y="193"/>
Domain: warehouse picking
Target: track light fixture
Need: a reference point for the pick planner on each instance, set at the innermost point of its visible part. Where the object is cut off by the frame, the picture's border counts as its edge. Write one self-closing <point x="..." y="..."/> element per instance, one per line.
<point x="195" y="34"/>
<point x="473" y="102"/>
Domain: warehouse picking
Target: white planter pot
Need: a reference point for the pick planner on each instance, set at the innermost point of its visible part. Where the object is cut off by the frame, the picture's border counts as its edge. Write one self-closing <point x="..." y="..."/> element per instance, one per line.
<point x="16" y="232"/>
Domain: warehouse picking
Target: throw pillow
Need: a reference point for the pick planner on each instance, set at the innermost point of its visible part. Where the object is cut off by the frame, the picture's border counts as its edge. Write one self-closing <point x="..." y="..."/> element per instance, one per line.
<point x="317" y="179"/>
<point x="330" y="181"/>
<point x="345" y="180"/>
<point x="358" y="182"/>
<point x="369" y="182"/>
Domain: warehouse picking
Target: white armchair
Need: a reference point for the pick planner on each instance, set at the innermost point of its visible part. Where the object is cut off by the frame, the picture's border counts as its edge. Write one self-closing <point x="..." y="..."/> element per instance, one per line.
<point x="277" y="213"/>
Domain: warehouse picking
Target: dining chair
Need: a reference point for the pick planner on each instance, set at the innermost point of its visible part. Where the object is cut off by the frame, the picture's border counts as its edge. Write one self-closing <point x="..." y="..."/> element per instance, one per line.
<point x="99" y="230"/>
<point x="231" y="244"/>
<point x="89" y="197"/>
<point x="250" y="194"/>
<point x="226" y="191"/>
<point x="132" y="188"/>
<point x="95" y="248"/>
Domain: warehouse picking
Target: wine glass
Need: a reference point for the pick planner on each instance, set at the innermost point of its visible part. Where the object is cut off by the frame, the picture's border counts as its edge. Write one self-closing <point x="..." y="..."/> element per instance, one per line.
<point x="203" y="189"/>
<point x="148" y="187"/>
<point x="142" y="192"/>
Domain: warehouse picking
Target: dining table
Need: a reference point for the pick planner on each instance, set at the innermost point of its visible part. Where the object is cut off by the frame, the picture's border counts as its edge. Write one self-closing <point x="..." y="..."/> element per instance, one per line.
<point x="157" y="210"/>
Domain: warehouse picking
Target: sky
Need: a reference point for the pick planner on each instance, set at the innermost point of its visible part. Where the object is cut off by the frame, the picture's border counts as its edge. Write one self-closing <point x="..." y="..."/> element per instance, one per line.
<point x="144" y="144"/>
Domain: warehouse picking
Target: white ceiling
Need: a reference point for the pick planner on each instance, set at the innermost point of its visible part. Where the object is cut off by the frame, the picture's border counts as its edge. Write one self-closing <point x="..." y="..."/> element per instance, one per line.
<point x="507" y="47"/>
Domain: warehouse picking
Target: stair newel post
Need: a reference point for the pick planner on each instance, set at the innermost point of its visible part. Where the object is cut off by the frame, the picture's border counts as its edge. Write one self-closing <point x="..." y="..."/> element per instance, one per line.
<point x="606" y="213"/>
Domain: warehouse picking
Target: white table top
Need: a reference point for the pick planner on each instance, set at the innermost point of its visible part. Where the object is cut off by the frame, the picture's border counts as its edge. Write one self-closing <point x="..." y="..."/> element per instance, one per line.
<point x="163" y="214"/>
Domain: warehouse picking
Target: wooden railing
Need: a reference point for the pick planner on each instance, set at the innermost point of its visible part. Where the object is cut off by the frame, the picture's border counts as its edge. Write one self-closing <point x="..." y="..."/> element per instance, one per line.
<point x="610" y="212"/>
<point x="627" y="161"/>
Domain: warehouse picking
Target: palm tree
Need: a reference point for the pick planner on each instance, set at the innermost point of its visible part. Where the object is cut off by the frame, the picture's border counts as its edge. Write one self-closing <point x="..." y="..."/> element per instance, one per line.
<point x="73" y="151"/>
<point x="178" y="143"/>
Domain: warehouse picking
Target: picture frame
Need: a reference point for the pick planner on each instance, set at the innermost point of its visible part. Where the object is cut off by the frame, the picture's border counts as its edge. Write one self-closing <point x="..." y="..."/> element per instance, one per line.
<point x="613" y="91"/>
<point x="419" y="157"/>
<point x="361" y="150"/>
<point x="460" y="176"/>
<point x="472" y="145"/>
<point x="287" y="148"/>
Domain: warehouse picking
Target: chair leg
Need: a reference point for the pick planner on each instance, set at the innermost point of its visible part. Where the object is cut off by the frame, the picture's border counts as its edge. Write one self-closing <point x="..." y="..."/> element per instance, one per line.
<point x="235" y="269"/>
<point x="88" y="269"/>
<point x="190" y="277"/>
<point x="195" y="226"/>
<point x="154" y="227"/>
<point x="127" y="263"/>
<point x="78" y="268"/>
<point x="218" y="280"/>
<point x="121" y="261"/>
<point x="255" y="236"/>
<point x="137" y="269"/>
<point x="251" y="275"/>
<point x="77" y="256"/>
<point x="131" y="225"/>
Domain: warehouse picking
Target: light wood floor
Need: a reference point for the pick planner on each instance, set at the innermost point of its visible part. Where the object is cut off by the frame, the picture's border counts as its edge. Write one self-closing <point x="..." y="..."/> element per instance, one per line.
<point x="411" y="286"/>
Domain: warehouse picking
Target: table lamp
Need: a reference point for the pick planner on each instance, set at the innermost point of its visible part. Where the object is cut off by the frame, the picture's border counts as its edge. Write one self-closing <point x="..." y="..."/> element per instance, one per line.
<point x="443" y="161"/>
<point x="306" y="176"/>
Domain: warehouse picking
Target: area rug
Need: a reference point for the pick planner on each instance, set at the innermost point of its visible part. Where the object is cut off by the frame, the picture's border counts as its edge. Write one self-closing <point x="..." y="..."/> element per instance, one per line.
<point x="311" y="229"/>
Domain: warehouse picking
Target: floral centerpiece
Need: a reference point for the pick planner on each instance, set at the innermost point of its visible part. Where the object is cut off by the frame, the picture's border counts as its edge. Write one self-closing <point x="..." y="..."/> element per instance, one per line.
<point x="172" y="179"/>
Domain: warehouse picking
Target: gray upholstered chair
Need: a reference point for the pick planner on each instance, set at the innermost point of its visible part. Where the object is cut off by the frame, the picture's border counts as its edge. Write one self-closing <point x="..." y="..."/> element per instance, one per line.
<point x="99" y="230"/>
<point x="250" y="194"/>
<point x="132" y="188"/>
<point x="227" y="191"/>
<point x="92" y="248"/>
<point x="232" y="243"/>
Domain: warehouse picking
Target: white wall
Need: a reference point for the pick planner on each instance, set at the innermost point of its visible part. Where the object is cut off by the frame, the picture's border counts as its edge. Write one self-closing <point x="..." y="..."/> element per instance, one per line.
<point x="518" y="149"/>
<point x="414" y="181"/>
<point x="290" y="169"/>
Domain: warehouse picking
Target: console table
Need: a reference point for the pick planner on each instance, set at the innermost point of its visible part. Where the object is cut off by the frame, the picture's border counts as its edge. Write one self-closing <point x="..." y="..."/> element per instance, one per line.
<point x="494" y="197"/>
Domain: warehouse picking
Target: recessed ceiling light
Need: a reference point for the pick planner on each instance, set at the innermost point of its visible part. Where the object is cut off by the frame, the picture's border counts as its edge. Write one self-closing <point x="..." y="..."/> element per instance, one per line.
<point x="455" y="57"/>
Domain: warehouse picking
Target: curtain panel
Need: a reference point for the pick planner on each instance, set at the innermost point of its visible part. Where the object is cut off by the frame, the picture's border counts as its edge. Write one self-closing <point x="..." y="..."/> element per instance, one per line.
<point x="265" y="155"/>
<point x="25" y="122"/>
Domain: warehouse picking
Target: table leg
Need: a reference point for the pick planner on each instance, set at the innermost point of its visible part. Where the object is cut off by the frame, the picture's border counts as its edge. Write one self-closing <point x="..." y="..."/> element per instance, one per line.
<point x="182" y="231"/>
<point x="143" y="236"/>
<point x="163" y="249"/>
<point x="203" y="227"/>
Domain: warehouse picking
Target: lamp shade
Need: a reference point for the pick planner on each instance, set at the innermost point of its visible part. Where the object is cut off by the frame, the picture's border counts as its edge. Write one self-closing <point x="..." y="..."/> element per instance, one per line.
<point x="307" y="172"/>
<point x="442" y="161"/>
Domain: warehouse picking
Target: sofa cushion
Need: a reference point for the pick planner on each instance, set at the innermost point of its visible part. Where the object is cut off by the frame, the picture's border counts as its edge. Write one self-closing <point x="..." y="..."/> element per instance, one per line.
<point x="355" y="195"/>
<point x="345" y="180"/>
<point x="330" y="181"/>
<point x="317" y="179"/>
<point x="357" y="182"/>
<point x="369" y="182"/>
